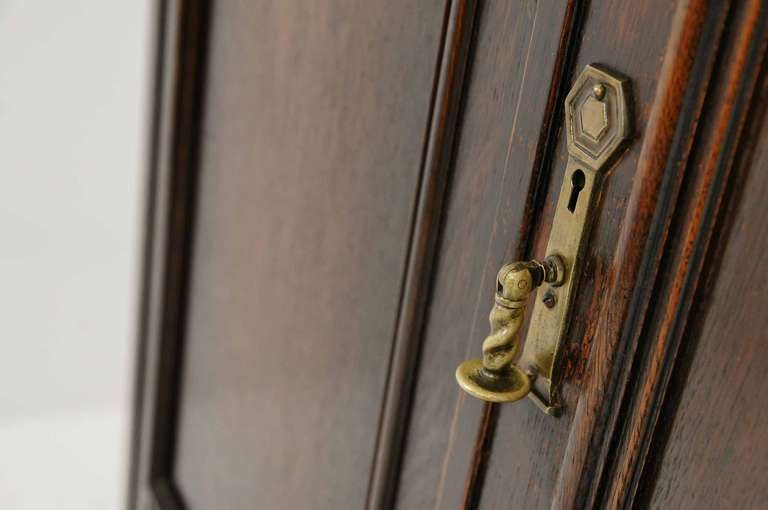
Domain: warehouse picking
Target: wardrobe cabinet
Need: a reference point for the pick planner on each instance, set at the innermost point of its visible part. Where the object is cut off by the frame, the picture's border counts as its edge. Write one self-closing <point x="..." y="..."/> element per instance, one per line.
<point x="335" y="186"/>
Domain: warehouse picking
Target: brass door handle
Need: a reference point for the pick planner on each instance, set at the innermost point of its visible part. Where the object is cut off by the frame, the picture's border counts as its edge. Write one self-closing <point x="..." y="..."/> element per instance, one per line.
<point x="495" y="377"/>
<point x="598" y="127"/>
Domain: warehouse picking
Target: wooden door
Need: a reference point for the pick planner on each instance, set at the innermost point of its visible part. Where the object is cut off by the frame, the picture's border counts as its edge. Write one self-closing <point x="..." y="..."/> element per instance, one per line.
<point x="335" y="185"/>
<point x="293" y="166"/>
<point x="693" y="68"/>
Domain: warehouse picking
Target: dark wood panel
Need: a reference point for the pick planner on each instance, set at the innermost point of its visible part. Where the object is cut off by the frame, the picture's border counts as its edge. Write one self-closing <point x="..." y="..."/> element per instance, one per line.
<point x="716" y="454"/>
<point x="325" y="150"/>
<point x="632" y="41"/>
<point x="733" y="62"/>
<point x="513" y="58"/>
<point x="315" y="117"/>
<point x="437" y="162"/>
<point x="710" y="449"/>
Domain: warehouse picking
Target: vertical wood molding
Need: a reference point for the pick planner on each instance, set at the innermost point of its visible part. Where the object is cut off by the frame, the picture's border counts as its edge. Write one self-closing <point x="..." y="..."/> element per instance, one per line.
<point x="739" y="61"/>
<point x="667" y="140"/>
<point x="170" y="214"/>
<point x="506" y="104"/>
<point x="563" y="68"/>
<point x="137" y="494"/>
<point x="594" y="449"/>
<point x="436" y="164"/>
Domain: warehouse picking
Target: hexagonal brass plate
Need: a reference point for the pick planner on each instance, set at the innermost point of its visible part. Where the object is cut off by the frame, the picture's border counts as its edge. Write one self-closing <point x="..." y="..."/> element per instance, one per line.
<point x="598" y="126"/>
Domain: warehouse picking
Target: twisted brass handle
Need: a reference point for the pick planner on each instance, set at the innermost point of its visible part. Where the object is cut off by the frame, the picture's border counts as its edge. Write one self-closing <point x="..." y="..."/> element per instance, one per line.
<point x="496" y="378"/>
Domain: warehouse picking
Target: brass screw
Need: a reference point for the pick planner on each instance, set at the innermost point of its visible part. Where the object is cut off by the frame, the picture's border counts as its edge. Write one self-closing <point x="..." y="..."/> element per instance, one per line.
<point x="599" y="91"/>
<point x="549" y="299"/>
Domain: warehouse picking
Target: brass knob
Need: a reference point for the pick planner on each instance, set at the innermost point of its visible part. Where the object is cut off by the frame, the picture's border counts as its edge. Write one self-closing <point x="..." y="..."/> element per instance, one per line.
<point x="496" y="378"/>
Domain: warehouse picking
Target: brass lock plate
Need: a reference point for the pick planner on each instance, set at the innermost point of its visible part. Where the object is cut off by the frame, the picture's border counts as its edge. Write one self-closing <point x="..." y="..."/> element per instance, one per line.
<point x="598" y="126"/>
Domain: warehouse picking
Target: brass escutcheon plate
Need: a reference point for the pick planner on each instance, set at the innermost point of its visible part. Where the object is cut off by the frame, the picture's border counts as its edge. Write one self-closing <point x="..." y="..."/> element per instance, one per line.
<point x="598" y="126"/>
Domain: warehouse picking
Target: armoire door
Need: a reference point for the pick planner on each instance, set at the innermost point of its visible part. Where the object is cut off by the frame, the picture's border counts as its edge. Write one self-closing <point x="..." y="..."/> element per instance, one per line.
<point x="335" y="187"/>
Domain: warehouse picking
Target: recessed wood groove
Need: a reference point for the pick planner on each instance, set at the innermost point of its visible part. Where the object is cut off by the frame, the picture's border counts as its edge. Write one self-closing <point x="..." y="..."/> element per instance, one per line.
<point x="563" y="71"/>
<point x="438" y="149"/>
<point x="668" y="137"/>
<point x="696" y="214"/>
<point x="473" y="167"/>
<point x="647" y="469"/>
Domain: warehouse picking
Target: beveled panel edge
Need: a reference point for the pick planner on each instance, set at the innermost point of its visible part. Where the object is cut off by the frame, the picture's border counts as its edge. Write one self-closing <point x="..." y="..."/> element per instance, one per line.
<point x="590" y="458"/>
<point x="435" y="169"/>
<point x="179" y="76"/>
<point x="730" y="105"/>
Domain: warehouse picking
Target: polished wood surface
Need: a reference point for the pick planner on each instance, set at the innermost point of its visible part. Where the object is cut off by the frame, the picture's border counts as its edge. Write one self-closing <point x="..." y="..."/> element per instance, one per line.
<point x="527" y="472"/>
<point x="710" y="449"/>
<point x="312" y="137"/>
<point x="715" y="453"/>
<point x="725" y="95"/>
<point x="336" y="184"/>
<point x="506" y="101"/>
<point x="438" y="160"/>
<point x="657" y="52"/>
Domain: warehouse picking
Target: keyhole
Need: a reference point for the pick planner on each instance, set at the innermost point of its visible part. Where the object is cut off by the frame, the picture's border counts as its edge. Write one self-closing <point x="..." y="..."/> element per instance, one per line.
<point x="577" y="180"/>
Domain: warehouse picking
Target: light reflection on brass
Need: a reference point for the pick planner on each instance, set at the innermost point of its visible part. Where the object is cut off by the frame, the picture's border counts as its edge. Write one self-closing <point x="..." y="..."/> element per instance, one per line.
<point x="495" y="378"/>
<point x="598" y="128"/>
